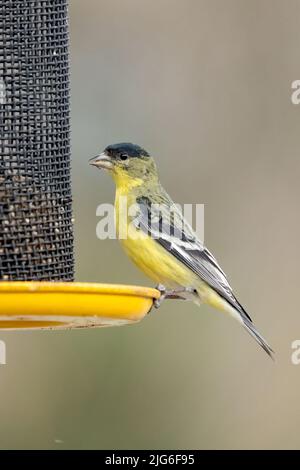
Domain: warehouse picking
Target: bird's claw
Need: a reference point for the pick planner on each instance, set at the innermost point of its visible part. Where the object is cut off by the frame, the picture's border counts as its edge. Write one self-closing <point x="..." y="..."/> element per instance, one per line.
<point x="163" y="292"/>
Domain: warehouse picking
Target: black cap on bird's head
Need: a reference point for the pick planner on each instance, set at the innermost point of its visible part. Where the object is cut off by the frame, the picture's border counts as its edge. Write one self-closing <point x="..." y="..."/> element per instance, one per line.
<point x="126" y="149"/>
<point x="125" y="158"/>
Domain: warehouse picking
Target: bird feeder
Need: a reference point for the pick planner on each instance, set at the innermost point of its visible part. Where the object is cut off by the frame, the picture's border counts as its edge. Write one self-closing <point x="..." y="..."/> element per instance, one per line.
<point x="36" y="233"/>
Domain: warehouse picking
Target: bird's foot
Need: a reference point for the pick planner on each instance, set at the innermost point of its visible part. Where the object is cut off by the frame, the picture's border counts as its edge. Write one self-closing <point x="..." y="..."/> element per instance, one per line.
<point x="172" y="294"/>
<point x="163" y="292"/>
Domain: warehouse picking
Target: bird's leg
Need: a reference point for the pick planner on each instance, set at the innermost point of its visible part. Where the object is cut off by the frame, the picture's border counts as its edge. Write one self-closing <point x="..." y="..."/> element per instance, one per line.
<point x="175" y="294"/>
<point x="172" y="294"/>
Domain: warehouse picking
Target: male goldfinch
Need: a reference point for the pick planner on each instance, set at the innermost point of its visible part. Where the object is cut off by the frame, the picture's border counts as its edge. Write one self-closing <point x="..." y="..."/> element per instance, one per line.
<point x="160" y="241"/>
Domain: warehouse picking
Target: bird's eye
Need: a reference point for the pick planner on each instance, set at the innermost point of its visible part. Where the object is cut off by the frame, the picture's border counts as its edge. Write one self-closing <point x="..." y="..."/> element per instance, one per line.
<point x="123" y="156"/>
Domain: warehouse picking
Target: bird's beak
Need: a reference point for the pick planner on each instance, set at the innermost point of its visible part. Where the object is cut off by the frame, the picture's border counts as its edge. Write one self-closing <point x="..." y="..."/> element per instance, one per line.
<point x="102" y="161"/>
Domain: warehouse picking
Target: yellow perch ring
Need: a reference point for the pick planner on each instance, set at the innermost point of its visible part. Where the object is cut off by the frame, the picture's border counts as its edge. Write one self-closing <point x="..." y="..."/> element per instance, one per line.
<point x="60" y="305"/>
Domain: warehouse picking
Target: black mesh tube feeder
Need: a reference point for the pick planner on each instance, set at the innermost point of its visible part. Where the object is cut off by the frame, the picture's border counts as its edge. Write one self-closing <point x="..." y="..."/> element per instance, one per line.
<point x="36" y="233"/>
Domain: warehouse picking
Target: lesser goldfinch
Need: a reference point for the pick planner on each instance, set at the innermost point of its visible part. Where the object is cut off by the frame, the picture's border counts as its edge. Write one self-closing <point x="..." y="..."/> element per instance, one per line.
<point x="160" y="241"/>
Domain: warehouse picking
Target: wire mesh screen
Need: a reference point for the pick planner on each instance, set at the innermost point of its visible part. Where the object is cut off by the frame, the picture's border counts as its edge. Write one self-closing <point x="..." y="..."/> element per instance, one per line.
<point x="36" y="238"/>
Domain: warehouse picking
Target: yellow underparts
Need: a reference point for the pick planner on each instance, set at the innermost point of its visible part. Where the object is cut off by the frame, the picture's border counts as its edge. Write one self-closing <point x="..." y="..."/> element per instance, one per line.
<point x="148" y="255"/>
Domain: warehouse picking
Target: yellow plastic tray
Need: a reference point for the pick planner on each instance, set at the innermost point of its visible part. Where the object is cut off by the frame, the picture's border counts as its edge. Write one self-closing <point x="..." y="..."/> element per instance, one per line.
<point x="56" y="305"/>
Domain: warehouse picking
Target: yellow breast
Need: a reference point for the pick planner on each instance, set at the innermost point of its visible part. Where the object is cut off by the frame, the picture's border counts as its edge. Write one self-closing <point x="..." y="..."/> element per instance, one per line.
<point x="144" y="251"/>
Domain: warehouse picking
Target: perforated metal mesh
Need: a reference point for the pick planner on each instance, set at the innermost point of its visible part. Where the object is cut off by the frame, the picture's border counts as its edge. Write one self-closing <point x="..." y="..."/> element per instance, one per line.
<point x="36" y="239"/>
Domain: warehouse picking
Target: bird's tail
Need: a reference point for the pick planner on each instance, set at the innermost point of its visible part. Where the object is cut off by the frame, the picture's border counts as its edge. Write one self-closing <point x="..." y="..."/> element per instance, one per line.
<point x="248" y="325"/>
<point x="238" y="313"/>
<point x="246" y="321"/>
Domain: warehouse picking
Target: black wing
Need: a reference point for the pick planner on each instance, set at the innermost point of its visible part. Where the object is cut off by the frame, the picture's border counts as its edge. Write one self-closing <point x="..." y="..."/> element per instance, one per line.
<point x="165" y="223"/>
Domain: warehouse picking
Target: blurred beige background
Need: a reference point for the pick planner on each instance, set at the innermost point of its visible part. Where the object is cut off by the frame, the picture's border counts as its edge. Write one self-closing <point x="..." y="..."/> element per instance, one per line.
<point x="205" y="85"/>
